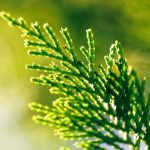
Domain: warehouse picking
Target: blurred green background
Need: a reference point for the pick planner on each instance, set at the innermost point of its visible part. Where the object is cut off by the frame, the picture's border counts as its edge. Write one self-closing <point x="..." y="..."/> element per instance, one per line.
<point x="124" y="20"/>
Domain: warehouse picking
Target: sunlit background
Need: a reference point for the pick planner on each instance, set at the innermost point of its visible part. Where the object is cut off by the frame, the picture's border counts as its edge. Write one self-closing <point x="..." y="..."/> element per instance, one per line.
<point x="124" y="20"/>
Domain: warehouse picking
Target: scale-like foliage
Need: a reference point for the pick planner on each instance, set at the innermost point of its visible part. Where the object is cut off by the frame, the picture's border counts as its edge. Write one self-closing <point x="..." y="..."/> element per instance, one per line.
<point x="107" y="106"/>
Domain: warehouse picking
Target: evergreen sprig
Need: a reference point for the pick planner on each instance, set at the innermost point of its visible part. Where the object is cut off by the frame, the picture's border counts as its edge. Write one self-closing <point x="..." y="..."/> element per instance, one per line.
<point x="107" y="106"/>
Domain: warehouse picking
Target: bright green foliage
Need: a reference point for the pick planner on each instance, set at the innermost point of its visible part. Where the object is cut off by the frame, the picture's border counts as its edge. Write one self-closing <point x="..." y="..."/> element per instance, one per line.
<point x="107" y="106"/>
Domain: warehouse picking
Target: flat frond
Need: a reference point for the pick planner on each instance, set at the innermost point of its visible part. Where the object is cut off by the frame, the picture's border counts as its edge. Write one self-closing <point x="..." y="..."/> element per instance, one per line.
<point x="96" y="106"/>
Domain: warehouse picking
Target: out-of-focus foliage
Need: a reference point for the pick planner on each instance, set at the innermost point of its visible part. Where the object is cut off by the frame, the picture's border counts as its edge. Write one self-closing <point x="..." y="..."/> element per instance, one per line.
<point x="123" y="20"/>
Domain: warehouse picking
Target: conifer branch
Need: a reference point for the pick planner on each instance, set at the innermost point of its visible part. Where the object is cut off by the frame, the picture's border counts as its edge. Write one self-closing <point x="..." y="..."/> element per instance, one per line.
<point x="107" y="106"/>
